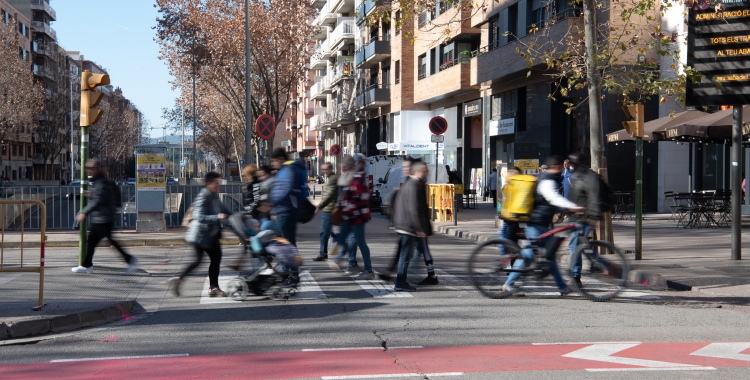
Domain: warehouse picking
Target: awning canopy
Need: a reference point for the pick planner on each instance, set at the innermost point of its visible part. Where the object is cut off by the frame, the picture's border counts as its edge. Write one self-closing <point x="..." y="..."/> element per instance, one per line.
<point x="716" y="127"/>
<point x="654" y="125"/>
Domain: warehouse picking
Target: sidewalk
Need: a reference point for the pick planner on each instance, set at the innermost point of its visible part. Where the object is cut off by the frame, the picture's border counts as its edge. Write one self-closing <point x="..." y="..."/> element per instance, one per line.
<point x="673" y="257"/>
<point x="126" y="238"/>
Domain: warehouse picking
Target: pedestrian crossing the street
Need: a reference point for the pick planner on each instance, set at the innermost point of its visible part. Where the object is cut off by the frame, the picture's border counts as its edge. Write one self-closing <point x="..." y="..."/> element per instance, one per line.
<point x="325" y="287"/>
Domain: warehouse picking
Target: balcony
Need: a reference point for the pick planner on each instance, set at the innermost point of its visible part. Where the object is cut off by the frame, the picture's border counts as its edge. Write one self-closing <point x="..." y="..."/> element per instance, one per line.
<point x="41" y="49"/>
<point x="41" y="27"/>
<point x="325" y="17"/>
<point x="364" y="8"/>
<point x="341" y="71"/>
<point x="318" y="90"/>
<point x="43" y="5"/>
<point x="317" y="3"/>
<point x="315" y="123"/>
<point x="321" y="33"/>
<point x="343" y="35"/>
<point x="375" y="51"/>
<point x="374" y="96"/>
<point x="342" y="6"/>
<point x="454" y="78"/>
<point x="338" y="115"/>
<point x="42" y="71"/>
<point x="319" y="59"/>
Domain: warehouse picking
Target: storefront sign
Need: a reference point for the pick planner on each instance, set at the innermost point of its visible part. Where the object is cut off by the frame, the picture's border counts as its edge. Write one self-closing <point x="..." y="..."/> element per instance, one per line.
<point x="718" y="36"/>
<point x="473" y="108"/>
<point x="502" y="127"/>
<point x="420" y="145"/>
<point x="381" y="145"/>
<point x="527" y="166"/>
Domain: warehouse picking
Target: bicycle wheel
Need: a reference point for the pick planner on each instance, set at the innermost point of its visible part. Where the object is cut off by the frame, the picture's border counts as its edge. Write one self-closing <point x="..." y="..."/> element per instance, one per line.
<point x="488" y="268"/>
<point x="604" y="272"/>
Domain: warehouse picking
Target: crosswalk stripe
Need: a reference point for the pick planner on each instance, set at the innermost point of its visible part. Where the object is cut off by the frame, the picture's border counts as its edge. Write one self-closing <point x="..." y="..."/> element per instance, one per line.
<point x="379" y="289"/>
<point x="308" y="289"/>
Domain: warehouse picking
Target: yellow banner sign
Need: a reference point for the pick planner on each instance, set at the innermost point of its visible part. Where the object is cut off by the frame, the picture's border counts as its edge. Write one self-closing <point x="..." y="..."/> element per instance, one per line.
<point x="151" y="175"/>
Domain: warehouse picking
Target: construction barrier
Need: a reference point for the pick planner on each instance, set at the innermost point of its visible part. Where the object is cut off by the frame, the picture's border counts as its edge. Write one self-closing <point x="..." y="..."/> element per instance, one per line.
<point x="18" y="210"/>
<point x="444" y="196"/>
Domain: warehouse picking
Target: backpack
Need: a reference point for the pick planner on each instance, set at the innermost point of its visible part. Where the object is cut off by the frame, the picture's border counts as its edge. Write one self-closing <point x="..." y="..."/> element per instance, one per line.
<point x="518" y="198"/>
<point x="116" y="194"/>
<point x="607" y="199"/>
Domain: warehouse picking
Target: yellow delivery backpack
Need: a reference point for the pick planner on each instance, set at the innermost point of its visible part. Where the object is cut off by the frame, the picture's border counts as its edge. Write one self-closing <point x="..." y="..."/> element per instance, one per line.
<point x="518" y="198"/>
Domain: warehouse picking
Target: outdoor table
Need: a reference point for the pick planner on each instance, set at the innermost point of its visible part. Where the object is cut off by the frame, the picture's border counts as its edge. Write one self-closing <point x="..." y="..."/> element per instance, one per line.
<point x="698" y="207"/>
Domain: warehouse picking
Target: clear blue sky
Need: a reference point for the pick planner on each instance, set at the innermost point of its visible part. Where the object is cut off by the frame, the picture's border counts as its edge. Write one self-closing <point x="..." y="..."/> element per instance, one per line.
<point x="118" y="36"/>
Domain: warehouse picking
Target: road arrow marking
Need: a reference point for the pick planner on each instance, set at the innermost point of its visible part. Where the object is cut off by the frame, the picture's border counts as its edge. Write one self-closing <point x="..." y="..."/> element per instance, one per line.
<point x="603" y="353"/>
<point x="725" y="351"/>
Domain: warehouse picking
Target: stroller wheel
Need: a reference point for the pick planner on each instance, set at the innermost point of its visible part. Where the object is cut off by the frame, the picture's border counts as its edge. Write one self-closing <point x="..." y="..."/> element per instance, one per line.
<point x="277" y="293"/>
<point x="237" y="289"/>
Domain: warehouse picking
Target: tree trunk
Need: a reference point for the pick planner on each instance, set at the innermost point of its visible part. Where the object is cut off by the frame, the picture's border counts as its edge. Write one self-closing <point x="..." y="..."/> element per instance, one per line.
<point x="594" y="86"/>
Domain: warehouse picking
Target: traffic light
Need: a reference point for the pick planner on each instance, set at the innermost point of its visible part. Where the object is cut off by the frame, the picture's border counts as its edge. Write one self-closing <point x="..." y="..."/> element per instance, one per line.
<point x="90" y="97"/>
<point x="635" y="113"/>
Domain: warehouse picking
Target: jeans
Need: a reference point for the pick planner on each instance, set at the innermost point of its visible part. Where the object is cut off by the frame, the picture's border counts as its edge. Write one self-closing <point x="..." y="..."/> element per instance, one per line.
<point x="408" y="243"/>
<point x="532" y="232"/>
<point x="358" y="230"/>
<point x="268" y="224"/>
<point x="325" y="232"/>
<point x="98" y="232"/>
<point x="575" y="265"/>
<point x="287" y="224"/>
<point x="214" y="253"/>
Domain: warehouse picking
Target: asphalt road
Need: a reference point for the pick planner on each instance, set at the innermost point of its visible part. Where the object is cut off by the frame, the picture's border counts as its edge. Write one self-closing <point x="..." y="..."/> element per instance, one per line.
<point x="449" y="315"/>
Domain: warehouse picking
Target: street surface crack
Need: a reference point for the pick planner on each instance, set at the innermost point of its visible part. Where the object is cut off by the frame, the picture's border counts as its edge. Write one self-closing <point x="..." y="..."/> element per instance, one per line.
<point x="396" y="360"/>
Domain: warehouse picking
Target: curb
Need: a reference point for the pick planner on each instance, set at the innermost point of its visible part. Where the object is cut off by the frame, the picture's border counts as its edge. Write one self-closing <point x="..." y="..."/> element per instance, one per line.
<point x="32" y="327"/>
<point x="105" y="243"/>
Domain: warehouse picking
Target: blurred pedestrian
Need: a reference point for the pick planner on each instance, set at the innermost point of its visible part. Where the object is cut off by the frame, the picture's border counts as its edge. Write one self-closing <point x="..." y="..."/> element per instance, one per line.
<point x="354" y="203"/>
<point x="567" y="173"/>
<point x="289" y="188"/>
<point x="492" y="186"/>
<point x="250" y="187"/>
<point x="101" y="208"/>
<point x="411" y="220"/>
<point x="325" y="207"/>
<point x="204" y="233"/>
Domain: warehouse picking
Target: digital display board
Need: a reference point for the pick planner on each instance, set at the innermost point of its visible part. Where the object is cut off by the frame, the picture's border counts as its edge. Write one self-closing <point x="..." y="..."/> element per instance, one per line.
<point x="719" y="48"/>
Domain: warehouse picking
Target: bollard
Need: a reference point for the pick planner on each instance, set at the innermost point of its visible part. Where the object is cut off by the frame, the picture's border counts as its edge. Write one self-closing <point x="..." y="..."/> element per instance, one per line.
<point x="433" y="207"/>
<point x="455" y="211"/>
<point x="313" y="191"/>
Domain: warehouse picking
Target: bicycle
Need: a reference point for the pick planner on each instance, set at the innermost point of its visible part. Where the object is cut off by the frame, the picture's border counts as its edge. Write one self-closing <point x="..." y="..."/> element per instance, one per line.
<point x="490" y="264"/>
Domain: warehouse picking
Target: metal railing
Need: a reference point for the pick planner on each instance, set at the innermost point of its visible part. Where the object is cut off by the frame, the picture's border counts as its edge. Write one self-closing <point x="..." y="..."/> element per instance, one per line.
<point x="60" y="205"/>
<point x="19" y="268"/>
<point x="345" y="29"/>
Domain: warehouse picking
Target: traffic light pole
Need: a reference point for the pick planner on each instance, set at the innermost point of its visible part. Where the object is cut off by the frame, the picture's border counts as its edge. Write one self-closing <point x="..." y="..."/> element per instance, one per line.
<point x="638" y="197"/>
<point x="84" y="188"/>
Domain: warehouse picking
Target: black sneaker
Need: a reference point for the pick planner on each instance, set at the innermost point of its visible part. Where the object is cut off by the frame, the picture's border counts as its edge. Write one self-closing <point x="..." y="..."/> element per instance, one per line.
<point x="321" y="258"/>
<point x="404" y="288"/>
<point x="429" y="280"/>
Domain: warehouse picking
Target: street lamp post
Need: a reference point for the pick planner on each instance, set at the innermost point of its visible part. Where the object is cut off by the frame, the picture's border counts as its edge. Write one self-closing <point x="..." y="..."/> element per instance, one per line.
<point x="248" y="98"/>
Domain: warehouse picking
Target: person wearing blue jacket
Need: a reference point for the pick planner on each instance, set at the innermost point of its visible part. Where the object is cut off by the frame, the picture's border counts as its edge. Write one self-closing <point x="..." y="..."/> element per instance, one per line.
<point x="288" y="191"/>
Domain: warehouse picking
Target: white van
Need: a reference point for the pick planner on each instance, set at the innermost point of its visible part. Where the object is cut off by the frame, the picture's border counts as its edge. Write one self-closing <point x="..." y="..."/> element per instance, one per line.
<point x="377" y="168"/>
<point x="395" y="178"/>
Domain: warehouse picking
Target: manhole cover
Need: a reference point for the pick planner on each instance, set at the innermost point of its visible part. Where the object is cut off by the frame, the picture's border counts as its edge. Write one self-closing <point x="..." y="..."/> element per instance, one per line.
<point x="672" y="266"/>
<point x="733" y="270"/>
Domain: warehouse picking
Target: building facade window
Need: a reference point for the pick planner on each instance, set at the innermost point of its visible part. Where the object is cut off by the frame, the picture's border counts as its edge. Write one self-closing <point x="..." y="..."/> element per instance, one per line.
<point x="493" y="34"/>
<point x="513" y="22"/>
<point x="422" y="62"/>
<point x="397" y="72"/>
<point x="397" y="24"/>
<point x="504" y="105"/>
<point x="23" y="29"/>
<point x="4" y="16"/>
<point x="538" y="14"/>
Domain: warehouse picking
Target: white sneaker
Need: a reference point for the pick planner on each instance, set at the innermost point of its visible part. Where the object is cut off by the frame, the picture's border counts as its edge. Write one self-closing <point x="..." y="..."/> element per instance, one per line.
<point x="509" y="288"/>
<point x="80" y="269"/>
<point x="133" y="267"/>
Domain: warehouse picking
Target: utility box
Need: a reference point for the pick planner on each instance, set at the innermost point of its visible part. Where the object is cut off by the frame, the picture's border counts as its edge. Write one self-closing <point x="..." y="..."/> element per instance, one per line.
<point x="151" y="185"/>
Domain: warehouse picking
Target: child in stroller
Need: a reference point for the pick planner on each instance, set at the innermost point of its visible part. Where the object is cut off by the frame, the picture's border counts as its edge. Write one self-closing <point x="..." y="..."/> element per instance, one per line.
<point x="263" y="277"/>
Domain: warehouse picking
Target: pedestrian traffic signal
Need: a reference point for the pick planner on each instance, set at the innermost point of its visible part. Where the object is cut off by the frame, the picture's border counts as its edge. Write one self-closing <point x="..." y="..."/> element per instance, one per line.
<point x="90" y="97"/>
<point x="634" y="112"/>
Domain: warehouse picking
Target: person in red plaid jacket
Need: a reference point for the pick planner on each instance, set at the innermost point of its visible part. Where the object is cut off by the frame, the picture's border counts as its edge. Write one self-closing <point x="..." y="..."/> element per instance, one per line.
<point x="354" y="203"/>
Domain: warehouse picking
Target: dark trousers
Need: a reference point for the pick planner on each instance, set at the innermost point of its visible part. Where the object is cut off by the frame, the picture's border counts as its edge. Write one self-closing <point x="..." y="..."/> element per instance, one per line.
<point x="422" y="248"/>
<point x="287" y="222"/>
<point x="214" y="254"/>
<point x="98" y="232"/>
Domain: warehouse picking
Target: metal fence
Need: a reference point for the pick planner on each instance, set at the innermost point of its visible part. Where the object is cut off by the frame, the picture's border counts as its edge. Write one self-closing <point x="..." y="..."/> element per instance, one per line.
<point x="63" y="203"/>
<point x="19" y="265"/>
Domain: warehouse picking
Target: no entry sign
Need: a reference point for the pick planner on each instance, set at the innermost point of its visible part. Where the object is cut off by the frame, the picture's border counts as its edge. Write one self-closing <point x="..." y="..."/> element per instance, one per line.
<point x="335" y="150"/>
<point x="438" y="125"/>
<point x="265" y="126"/>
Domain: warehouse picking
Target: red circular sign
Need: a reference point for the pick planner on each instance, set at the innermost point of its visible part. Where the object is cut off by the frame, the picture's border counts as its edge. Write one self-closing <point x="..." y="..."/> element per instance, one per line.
<point x="335" y="150"/>
<point x="438" y="125"/>
<point x="265" y="126"/>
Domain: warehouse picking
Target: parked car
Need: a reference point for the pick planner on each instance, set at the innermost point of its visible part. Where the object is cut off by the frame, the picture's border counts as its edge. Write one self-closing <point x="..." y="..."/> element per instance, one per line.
<point x="131" y="181"/>
<point x="171" y="181"/>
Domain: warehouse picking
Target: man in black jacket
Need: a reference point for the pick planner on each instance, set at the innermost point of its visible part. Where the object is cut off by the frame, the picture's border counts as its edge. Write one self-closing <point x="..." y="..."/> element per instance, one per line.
<point x="101" y="210"/>
<point x="584" y="192"/>
<point x="411" y="219"/>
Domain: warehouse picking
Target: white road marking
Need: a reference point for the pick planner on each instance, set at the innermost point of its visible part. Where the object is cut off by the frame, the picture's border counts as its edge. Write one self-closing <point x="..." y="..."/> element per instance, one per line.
<point x="725" y="351"/>
<point x="650" y="369"/>
<point x="379" y="289"/>
<point x="119" y="358"/>
<point x="392" y="375"/>
<point x="224" y="278"/>
<point x="559" y="344"/>
<point x="8" y="277"/>
<point x="308" y="289"/>
<point x="603" y="353"/>
<point x="356" y="348"/>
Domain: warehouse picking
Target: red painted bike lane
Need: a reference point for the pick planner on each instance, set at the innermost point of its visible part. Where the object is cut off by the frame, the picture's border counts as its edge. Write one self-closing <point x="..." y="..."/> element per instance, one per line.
<point x="340" y="363"/>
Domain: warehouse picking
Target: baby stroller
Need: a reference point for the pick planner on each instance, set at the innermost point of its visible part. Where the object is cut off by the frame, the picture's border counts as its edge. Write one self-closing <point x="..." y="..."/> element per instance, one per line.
<point x="267" y="250"/>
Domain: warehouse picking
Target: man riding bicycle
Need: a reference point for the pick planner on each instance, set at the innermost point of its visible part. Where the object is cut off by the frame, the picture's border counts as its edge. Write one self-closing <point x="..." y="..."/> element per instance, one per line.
<point x="547" y="201"/>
